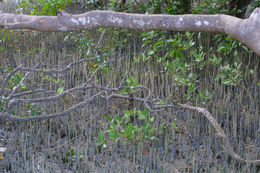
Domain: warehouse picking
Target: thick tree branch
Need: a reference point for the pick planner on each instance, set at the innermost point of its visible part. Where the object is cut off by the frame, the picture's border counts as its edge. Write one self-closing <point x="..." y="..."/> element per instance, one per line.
<point x="245" y="30"/>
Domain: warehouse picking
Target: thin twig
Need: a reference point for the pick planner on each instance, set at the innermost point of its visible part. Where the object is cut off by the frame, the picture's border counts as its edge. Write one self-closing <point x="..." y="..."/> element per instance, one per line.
<point x="31" y="92"/>
<point x="21" y="82"/>
<point x="8" y="77"/>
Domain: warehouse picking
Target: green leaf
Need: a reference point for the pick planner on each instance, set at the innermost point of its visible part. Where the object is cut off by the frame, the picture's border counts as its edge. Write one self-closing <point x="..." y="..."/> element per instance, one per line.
<point x="227" y="82"/>
<point x="245" y="48"/>
<point x="17" y="78"/>
<point x="170" y="41"/>
<point x="113" y="135"/>
<point x="32" y="112"/>
<point x="55" y="80"/>
<point x="229" y="38"/>
<point x="47" y="77"/>
<point x="142" y="117"/>
<point x="101" y="140"/>
<point x="108" y="118"/>
<point x="60" y="90"/>
<point x="127" y="117"/>
<point x="158" y="43"/>
<point x="151" y="119"/>
<point x="222" y="49"/>
<point x="146" y="112"/>
<point x="161" y="102"/>
<point x="174" y="125"/>
<point x="153" y="138"/>
<point x="131" y="127"/>
<point x="2" y="30"/>
<point x="118" y="118"/>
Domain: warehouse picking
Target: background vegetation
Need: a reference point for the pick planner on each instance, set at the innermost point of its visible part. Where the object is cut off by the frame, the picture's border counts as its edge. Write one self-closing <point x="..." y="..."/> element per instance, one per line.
<point x="207" y="70"/>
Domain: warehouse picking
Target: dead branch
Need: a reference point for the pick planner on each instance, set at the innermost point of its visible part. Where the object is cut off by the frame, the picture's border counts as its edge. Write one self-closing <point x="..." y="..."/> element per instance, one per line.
<point x="31" y="92"/>
<point x="8" y="116"/>
<point x="83" y="86"/>
<point x="226" y="145"/>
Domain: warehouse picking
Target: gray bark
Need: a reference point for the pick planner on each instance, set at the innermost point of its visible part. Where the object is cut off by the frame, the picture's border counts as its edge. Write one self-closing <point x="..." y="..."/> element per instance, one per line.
<point x="246" y="31"/>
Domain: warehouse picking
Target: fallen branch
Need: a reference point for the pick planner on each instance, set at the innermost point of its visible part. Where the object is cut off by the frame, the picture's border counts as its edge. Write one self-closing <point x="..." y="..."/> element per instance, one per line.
<point x="9" y="117"/>
<point x="83" y="86"/>
<point x="226" y="145"/>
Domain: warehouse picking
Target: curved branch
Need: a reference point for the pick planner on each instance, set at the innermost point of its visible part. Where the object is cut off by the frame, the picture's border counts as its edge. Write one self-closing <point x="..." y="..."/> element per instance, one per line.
<point x="245" y="30"/>
<point x="34" y="91"/>
<point x="220" y="133"/>
<point x="9" y="116"/>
